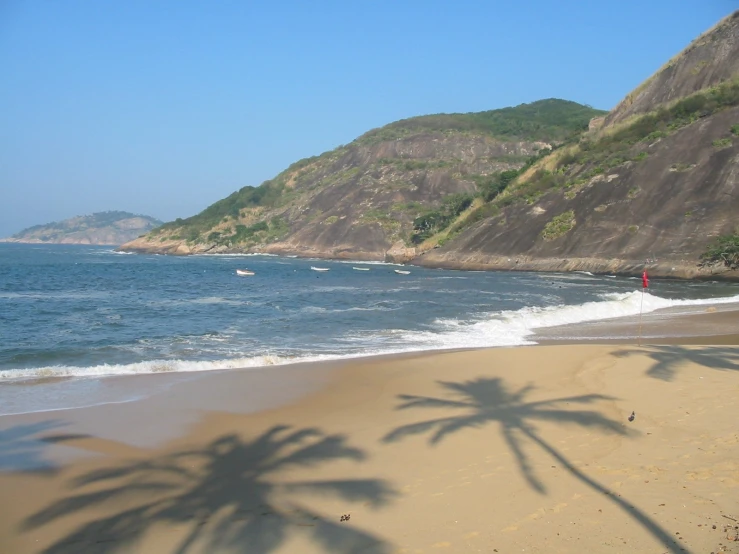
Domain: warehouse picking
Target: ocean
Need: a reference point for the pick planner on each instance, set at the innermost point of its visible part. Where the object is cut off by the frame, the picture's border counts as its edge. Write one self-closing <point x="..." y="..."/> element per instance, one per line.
<point x="84" y="313"/>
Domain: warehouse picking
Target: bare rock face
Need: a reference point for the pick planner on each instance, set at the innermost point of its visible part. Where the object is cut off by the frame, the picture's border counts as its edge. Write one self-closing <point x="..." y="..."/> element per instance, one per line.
<point x="400" y="254"/>
<point x="659" y="213"/>
<point x="605" y="201"/>
<point x="596" y="123"/>
<point x="654" y="201"/>
<point x="710" y="59"/>
<point x="359" y="201"/>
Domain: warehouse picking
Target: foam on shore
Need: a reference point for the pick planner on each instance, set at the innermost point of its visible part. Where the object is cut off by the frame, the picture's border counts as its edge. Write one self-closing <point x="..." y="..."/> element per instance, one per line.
<point x="482" y="330"/>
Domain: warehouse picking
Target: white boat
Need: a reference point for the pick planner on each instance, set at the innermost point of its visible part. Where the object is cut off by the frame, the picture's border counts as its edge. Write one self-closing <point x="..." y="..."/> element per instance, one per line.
<point x="361" y="268"/>
<point x="401" y="272"/>
<point x="319" y="268"/>
<point x="244" y="272"/>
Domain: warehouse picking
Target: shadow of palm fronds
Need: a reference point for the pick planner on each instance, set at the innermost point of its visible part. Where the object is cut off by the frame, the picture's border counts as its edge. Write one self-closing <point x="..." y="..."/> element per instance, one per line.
<point x="484" y="401"/>
<point x="22" y="450"/>
<point x="668" y="359"/>
<point x="232" y="496"/>
<point x="488" y="401"/>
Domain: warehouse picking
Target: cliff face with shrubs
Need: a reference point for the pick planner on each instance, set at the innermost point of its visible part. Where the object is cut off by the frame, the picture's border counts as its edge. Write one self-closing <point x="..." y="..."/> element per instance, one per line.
<point x="367" y="199"/>
<point x="551" y="185"/>
<point x="653" y="185"/>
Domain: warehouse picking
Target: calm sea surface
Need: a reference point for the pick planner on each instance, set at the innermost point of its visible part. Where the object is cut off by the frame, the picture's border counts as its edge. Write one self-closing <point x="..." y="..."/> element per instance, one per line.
<point x="88" y="312"/>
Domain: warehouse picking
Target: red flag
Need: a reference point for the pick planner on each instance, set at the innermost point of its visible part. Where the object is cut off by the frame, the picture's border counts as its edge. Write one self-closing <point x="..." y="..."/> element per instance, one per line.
<point x="644" y="279"/>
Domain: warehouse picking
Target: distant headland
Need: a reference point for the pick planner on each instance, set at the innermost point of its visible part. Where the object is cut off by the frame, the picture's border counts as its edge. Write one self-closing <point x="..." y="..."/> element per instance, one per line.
<point x="101" y="228"/>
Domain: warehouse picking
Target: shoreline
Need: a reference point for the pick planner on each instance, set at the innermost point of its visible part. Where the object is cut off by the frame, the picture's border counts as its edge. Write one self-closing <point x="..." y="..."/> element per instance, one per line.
<point x="505" y="448"/>
<point x="668" y="269"/>
<point x="682" y="324"/>
<point x="698" y="324"/>
<point x="481" y="449"/>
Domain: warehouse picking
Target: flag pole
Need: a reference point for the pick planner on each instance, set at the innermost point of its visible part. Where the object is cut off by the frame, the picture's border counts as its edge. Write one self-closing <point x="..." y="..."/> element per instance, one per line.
<point x="640" y="310"/>
<point x="644" y="285"/>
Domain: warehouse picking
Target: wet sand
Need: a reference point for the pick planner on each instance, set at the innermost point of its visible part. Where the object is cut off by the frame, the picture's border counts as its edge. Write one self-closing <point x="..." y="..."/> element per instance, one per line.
<point x="717" y="324"/>
<point x="502" y="450"/>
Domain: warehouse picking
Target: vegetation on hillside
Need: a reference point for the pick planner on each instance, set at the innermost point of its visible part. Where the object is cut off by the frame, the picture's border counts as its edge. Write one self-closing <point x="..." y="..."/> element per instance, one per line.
<point x="271" y="193"/>
<point x="447" y="216"/>
<point x="575" y="165"/>
<point x="230" y="207"/>
<point x="261" y="232"/>
<point x="559" y="225"/>
<point x="223" y="222"/>
<point x="436" y="220"/>
<point x="550" y="120"/>
<point x="724" y="251"/>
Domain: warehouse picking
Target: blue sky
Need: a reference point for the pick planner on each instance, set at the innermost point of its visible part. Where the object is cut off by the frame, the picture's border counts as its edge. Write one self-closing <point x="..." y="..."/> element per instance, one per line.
<point x="163" y="107"/>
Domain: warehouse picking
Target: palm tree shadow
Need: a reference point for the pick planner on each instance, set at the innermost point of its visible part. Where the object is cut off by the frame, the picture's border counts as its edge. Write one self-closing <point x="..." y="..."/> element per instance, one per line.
<point x="668" y="359"/>
<point x="231" y="496"/>
<point x="488" y="401"/>
<point x="22" y="450"/>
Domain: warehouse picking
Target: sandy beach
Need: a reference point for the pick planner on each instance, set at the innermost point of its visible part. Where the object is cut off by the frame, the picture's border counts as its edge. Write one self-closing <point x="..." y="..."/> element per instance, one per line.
<point x="526" y="449"/>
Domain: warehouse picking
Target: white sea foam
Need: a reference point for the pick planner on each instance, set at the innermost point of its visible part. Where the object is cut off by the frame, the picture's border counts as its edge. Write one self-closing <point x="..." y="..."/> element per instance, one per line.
<point x="236" y="255"/>
<point x="321" y="310"/>
<point x="511" y="328"/>
<point x="365" y="262"/>
<point x="202" y="300"/>
<point x="336" y="288"/>
<point x="154" y="366"/>
<point x="506" y="328"/>
<point x="56" y="295"/>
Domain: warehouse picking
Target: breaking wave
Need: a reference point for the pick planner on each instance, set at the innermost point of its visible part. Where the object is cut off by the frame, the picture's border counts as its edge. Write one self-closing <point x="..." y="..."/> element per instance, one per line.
<point x="503" y="328"/>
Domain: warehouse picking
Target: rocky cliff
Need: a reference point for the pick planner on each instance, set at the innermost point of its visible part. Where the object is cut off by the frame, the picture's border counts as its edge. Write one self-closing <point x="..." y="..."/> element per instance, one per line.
<point x="551" y="185"/>
<point x="651" y="186"/>
<point x="361" y="200"/>
<point x="652" y="211"/>
<point x="709" y="60"/>
<point x="103" y="228"/>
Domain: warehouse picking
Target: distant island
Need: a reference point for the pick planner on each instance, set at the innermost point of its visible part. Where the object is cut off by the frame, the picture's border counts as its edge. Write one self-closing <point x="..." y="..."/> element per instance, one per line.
<point x="102" y="228"/>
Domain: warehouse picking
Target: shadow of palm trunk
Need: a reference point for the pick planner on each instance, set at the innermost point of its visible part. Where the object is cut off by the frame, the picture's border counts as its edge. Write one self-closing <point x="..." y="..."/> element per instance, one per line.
<point x="489" y="400"/>
<point x="643" y="519"/>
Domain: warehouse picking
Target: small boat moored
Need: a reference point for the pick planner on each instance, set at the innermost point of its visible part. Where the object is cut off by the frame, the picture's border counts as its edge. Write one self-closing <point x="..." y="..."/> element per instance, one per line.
<point x="319" y="268"/>
<point x="244" y="272"/>
<point x="401" y="272"/>
<point x="361" y="268"/>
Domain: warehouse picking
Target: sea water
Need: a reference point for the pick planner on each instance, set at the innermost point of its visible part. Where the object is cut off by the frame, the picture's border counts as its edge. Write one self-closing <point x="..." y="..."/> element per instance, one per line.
<point x="86" y="312"/>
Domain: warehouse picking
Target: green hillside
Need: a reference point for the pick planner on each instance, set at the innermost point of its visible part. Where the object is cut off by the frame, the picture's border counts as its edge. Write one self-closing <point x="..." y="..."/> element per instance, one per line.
<point x="550" y="120"/>
<point x="261" y="214"/>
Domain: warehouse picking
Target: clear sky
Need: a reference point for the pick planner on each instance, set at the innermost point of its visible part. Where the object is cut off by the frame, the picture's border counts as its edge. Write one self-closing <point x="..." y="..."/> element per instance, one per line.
<point x="163" y="107"/>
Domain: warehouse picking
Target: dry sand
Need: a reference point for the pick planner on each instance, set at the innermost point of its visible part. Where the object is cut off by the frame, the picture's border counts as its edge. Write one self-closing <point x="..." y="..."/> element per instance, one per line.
<point x="505" y="450"/>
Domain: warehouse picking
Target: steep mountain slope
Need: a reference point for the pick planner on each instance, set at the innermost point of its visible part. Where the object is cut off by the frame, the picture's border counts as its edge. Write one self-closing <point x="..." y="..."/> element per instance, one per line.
<point x="652" y="185"/>
<point x="551" y="185"/>
<point x="363" y="200"/>
<point x="105" y="228"/>
<point x="709" y="60"/>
